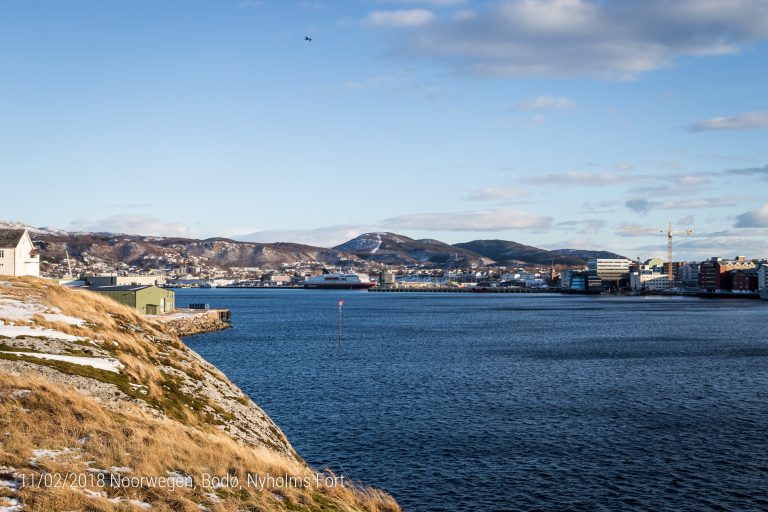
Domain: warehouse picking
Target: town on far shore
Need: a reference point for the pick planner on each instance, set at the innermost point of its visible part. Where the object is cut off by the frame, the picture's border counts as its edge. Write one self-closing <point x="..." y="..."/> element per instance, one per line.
<point x="147" y="285"/>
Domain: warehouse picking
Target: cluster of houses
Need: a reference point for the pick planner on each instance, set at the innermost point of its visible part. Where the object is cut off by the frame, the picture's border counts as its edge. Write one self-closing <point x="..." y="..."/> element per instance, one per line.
<point x="152" y="294"/>
<point x="715" y="275"/>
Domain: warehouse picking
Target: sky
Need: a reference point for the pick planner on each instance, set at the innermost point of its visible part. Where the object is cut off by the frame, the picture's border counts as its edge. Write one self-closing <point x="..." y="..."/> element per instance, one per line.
<point x="555" y="123"/>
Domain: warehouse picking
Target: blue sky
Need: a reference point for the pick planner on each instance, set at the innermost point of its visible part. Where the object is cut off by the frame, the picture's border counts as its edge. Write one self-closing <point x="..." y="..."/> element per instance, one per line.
<point x="557" y="123"/>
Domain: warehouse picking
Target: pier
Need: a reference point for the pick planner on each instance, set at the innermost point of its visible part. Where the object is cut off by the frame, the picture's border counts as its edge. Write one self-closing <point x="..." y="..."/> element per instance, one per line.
<point x="453" y="289"/>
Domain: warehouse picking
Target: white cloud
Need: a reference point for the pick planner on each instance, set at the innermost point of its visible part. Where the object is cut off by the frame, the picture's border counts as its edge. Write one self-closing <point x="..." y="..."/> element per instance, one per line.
<point x="545" y="103"/>
<point x="326" y="236"/>
<point x="593" y="38"/>
<point x="497" y="194"/>
<point x="754" y="218"/>
<point x="589" y="179"/>
<point x="436" y="3"/>
<point x="132" y="225"/>
<point x="629" y="229"/>
<point x="746" y="121"/>
<point x="582" y="227"/>
<point x="643" y="206"/>
<point x="498" y="219"/>
<point x="729" y="243"/>
<point x="407" y="18"/>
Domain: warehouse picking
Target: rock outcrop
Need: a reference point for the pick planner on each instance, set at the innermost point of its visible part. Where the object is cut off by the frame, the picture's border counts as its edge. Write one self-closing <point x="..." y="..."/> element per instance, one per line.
<point x="101" y="409"/>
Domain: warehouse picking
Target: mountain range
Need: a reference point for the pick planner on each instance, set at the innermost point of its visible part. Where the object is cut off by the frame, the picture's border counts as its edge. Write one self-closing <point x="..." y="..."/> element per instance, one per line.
<point x="110" y="250"/>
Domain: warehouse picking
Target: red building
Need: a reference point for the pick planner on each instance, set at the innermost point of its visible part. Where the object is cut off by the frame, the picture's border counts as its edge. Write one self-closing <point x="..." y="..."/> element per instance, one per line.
<point x="743" y="281"/>
<point x="717" y="274"/>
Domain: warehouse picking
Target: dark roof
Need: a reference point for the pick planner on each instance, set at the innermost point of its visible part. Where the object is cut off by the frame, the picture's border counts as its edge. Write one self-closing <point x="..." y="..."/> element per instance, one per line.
<point x="119" y="288"/>
<point x="10" y="237"/>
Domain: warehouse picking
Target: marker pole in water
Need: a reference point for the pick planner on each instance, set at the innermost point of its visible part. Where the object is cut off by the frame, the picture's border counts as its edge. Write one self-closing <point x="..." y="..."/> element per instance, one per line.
<point x="341" y="304"/>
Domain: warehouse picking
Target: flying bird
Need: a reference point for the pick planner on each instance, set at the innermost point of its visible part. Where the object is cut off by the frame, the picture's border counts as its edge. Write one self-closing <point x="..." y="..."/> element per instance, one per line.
<point x="307" y="38"/>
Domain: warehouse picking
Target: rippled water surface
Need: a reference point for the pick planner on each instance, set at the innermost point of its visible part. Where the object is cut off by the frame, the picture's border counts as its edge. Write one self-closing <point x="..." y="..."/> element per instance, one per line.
<point x="512" y="402"/>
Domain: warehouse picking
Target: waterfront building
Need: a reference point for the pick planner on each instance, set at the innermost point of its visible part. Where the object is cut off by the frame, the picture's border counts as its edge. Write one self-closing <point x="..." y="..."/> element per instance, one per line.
<point x="566" y="277"/>
<point x="578" y="282"/>
<point x="147" y="299"/>
<point x="762" y="277"/>
<point x="744" y="281"/>
<point x="715" y="273"/>
<point x="607" y="273"/>
<point x="648" y="280"/>
<point x="123" y="280"/>
<point x="688" y="273"/>
<point x="18" y="256"/>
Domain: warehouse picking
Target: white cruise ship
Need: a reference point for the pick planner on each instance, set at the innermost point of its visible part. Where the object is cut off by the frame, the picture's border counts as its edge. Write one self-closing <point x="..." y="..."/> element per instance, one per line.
<point x="337" y="281"/>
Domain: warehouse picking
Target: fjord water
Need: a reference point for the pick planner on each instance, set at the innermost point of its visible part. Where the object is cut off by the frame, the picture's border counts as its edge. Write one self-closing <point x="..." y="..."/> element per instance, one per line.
<point x="512" y="402"/>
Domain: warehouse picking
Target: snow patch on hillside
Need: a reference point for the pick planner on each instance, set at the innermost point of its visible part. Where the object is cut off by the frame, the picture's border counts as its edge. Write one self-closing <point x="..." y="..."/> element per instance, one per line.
<point x="16" y="331"/>
<point x="11" y="309"/>
<point x="100" y="363"/>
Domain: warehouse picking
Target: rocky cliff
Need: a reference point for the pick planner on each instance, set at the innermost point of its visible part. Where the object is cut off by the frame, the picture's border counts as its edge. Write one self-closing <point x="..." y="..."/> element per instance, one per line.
<point x="101" y="409"/>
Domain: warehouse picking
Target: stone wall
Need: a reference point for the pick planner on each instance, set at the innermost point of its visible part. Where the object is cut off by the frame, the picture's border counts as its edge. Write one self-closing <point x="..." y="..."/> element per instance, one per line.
<point x="197" y="323"/>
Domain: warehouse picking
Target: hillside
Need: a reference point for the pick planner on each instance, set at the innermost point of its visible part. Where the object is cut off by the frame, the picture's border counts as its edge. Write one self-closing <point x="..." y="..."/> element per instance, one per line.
<point x="587" y="254"/>
<point x="513" y="253"/>
<point x="91" y="391"/>
<point x="111" y="251"/>
<point x="394" y="249"/>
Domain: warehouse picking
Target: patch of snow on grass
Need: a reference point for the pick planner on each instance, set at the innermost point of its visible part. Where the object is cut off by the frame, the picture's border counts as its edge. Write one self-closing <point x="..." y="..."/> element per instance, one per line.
<point x="15" y="331"/>
<point x="100" y="363"/>
<point x="18" y="310"/>
<point x="10" y="505"/>
<point x="117" y="501"/>
<point x="42" y="453"/>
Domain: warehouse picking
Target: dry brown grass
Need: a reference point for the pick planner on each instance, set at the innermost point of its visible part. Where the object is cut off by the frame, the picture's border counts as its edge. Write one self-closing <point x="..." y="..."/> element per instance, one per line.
<point x="51" y="418"/>
<point x="140" y="345"/>
<point x="186" y="441"/>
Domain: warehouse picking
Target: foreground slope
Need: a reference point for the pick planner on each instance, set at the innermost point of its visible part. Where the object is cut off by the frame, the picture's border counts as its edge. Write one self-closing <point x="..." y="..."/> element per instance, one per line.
<point x="92" y="392"/>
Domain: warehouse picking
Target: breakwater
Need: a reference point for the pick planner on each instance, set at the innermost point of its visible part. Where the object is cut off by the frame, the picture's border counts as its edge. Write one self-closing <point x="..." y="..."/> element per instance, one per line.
<point x="188" y="322"/>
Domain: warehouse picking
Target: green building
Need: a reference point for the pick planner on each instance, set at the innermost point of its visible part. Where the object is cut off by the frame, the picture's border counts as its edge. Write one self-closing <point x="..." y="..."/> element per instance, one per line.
<point x="146" y="299"/>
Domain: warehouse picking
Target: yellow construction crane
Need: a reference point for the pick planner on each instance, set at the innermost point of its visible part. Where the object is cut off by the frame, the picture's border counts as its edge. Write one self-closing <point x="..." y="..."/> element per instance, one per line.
<point x="670" y="234"/>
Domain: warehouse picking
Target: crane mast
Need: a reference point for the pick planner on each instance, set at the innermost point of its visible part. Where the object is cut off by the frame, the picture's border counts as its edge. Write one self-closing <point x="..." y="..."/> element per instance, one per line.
<point x="670" y="234"/>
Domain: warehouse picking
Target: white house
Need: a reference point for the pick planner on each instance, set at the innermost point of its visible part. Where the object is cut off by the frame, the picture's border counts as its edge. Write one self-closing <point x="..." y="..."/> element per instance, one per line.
<point x="18" y="256"/>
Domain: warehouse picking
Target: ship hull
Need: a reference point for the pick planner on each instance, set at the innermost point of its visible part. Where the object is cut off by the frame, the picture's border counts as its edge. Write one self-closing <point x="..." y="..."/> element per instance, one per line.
<point x="338" y="286"/>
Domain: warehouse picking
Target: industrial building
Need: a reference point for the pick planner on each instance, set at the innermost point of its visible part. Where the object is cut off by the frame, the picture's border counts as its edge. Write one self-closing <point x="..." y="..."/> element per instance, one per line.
<point x="118" y="280"/>
<point x="146" y="299"/>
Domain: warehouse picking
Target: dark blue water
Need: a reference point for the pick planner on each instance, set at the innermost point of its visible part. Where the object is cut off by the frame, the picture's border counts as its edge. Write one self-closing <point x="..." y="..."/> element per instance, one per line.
<point x="507" y="402"/>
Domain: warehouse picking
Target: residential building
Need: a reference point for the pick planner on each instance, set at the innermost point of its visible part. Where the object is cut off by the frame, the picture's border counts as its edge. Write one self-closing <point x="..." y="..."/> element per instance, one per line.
<point x="607" y="273"/>
<point x="18" y="256"/>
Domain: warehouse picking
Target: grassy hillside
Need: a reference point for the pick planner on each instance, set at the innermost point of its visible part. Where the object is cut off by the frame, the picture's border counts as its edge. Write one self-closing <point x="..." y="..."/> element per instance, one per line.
<point x="92" y="392"/>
